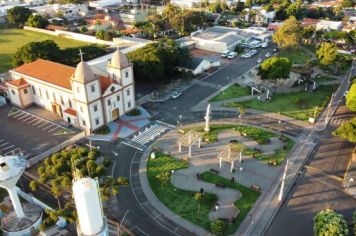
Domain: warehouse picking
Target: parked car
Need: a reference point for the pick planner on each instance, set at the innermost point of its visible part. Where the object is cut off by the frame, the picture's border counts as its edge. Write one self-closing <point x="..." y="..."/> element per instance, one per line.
<point x="275" y="49"/>
<point x="224" y="54"/>
<point x="259" y="60"/>
<point x="176" y="94"/>
<point x="246" y="55"/>
<point x="252" y="52"/>
<point x="264" y="45"/>
<point x="268" y="54"/>
<point x="231" y="55"/>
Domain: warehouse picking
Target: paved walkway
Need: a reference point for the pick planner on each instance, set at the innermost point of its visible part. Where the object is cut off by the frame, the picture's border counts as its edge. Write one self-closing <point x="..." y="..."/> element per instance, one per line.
<point x="124" y="127"/>
<point x="254" y="172"/>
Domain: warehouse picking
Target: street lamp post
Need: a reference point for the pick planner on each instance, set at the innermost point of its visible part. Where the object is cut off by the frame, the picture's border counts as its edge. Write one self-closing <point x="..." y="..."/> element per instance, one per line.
<point x="172" y="171"/>
<point x="240" y="174"/>
<point x="216" y="211"/>
<point x="279" y="127"/>
<point x="180" y="120"/>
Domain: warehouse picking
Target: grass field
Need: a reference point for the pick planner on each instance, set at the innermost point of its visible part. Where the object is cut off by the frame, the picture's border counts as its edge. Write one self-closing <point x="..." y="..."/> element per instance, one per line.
<point x="295" y="56"/>
<point x="298" y="105"/>
<point x="180" y="201"/>
<point x="233" y="91"/>
<point x="12" y="39"/>
<point x="244" y="204"/>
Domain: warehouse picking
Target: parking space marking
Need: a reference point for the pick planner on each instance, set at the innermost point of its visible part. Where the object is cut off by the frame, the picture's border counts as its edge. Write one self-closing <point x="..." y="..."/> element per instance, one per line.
<point x="14" y="113"/>
<point x="4" y="144"/>
<point x="27" y="155"/>
<point x="18" y="115"/>
<point x="24" y="116"/>
<point x="29" y="118"/>
<point x="51" y="130"/>
<point x="42" y="125"/>
<point x="35" y="120"/>
<point x="47" y="127"/>
<point x="39" y="122"/>
<point x="8" y="147"/>
<point x="13" y="151"/>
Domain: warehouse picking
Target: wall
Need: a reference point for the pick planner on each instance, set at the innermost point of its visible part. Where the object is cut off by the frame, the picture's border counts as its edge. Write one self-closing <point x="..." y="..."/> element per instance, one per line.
<point x="210" y="45"/>
<point x="71" y="35"/>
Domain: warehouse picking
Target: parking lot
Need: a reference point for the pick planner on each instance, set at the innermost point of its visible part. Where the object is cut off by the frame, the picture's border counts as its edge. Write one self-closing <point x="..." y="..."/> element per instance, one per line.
<point x="29" y="134"/>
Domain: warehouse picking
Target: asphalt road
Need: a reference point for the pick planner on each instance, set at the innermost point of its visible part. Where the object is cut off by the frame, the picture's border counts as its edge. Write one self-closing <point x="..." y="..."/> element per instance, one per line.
<point x="320" y="185"/>
<point x="170" y="110"/>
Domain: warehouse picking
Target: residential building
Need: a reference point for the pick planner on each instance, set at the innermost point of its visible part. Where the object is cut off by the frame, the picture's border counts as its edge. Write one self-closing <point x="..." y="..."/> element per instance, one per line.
<point x="306" y="22"/>
<point x="199" y="65"/>
<point x="134" y="15"/>
<point x="104" y="22"/>
<point x="263" y="16"/>
<point x="329" y="25"/>
<point x="78" y="95"/>
<point x="67" y="10"/>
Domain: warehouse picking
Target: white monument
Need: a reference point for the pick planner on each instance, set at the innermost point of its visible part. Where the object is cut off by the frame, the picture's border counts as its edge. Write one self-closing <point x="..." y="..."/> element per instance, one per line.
<point x="207" y="118"/>
<point x="89" y="209"/>
<point x="23" y="220"/>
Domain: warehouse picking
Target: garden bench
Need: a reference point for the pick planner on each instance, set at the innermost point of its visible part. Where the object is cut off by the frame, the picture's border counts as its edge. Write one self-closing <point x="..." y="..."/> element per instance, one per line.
<point x="214" y="171"/>
<point x="220" y="185"/>
<point x="258" y="150"/>
<point x="283" y="138"/>
<point x="255" y="187"/>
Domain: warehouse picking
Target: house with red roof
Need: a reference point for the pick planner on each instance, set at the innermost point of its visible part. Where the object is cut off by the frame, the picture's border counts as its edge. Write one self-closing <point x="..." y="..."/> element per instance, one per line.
<point x="78" y="95"/>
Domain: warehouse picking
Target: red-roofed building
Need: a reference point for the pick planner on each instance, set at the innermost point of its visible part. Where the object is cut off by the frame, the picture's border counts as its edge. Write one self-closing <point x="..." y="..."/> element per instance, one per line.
<point x="80" y="96"/>
<point x="309" y="22"/>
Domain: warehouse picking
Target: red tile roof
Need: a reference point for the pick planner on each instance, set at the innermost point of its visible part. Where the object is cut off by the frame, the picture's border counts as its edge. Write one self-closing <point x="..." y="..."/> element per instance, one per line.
<point x="48" y="71"/>
<point x="18" y="82"/>
<point x="71" y="111"/>
<point x="54" y="73"/>
<point x="105" y="82"/>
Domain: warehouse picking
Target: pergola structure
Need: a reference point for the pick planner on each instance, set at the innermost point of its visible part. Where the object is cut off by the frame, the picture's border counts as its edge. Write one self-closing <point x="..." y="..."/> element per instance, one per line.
<point x="188" y="140"/>
<point x="231" y="153"/>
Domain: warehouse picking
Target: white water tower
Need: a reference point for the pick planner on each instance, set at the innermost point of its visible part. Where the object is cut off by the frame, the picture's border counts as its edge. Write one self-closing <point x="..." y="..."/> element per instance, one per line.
<point x="89" y="209"/>
<point x="24" y="220"/>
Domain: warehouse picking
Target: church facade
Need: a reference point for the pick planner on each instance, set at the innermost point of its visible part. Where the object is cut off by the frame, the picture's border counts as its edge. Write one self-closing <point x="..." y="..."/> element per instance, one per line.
<point x="81" y="97"/>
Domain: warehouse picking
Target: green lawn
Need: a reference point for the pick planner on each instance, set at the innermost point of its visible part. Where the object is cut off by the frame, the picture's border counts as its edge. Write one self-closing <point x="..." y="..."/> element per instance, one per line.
<point x="180" y="201"/>
<point x="244" y="204"/>
<point x="259" y="135"/>
<point x="12" y="39"/>
<point x="298" y="105"/>
<point x="233" y="91"/>
<point x="295" y="56"/>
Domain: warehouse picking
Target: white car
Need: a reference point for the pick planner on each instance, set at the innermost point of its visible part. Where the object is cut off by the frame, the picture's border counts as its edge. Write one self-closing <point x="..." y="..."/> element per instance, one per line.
<point x="264" y="45"/>
<point x="231" y="55"/>
<point x="225" y="54"/>
<point x="176" y="94"/>
<point x="268" y="54"/>
<point x="259" y="60"/>
<point x="252" y="52"/>
<point x="246" y="55"/>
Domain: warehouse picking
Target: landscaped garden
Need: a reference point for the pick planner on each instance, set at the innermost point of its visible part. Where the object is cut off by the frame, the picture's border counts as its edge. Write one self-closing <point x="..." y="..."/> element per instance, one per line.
<point x="244" y="204"/>
<point x="299" y="105"/>
<point x="180" y="201"/>
<point x="259" y="135"/>
<point x="12" y="39"/>
<point x="294" y="55"/>
<point x="184" y="203"/>
<point x="233" y="91"/>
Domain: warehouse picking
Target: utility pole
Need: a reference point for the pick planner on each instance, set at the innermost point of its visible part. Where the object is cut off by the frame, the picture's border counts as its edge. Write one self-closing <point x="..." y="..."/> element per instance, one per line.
<point x="329" y="107"/>
<point x="283" y="180"/>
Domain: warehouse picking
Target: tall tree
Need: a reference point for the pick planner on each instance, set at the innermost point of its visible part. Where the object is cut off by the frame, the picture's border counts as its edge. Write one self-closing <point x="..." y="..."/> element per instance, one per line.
<point x="275" y="68"/>
<point x="351" y="98"/>
<point x="37" y="21"/>
<point x="47" y="49"/>
<point x="18" y="15"/>
<point x="347" y="131"/>
<point x="328" y="222"/>
<point x="289" y="34"/>
<point x="327" y="53"/>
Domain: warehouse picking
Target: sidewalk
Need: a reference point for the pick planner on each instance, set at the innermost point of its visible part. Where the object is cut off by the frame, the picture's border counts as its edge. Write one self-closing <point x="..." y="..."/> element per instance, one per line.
<point x="350" y="176"/>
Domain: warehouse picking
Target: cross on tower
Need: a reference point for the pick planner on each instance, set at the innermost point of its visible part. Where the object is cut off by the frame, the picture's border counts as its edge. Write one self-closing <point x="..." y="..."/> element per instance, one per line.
<point x="81" y="54"/>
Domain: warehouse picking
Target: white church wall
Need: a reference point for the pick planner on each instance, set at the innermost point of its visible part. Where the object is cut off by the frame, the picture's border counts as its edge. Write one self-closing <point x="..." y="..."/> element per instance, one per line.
<point x="83" y="116"/>
<point x="79" y="91"/>
<point x="115" y="102"/>
<point x="93" y="90"/>
<point x="129" y="100"/>
<point x="15" y="97"/>
<point x="127" y="76"/>
<point x="96" y="113"/>
<point x="26" y="96"/>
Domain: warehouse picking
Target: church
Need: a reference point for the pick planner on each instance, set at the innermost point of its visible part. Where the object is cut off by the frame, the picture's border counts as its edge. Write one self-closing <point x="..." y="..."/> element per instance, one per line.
<point x="78" y="95"/>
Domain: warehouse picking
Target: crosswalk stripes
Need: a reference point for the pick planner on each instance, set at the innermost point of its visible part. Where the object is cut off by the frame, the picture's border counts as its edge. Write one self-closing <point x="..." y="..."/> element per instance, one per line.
<point x="206" y="84"/>
<point x="337" y="121"/>
<point x="303" y="135"/>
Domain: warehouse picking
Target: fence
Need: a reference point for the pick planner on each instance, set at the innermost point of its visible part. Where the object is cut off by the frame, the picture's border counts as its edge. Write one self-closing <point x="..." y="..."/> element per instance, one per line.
<point x="71" y="35"/>
<point x="55" y="149"/>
